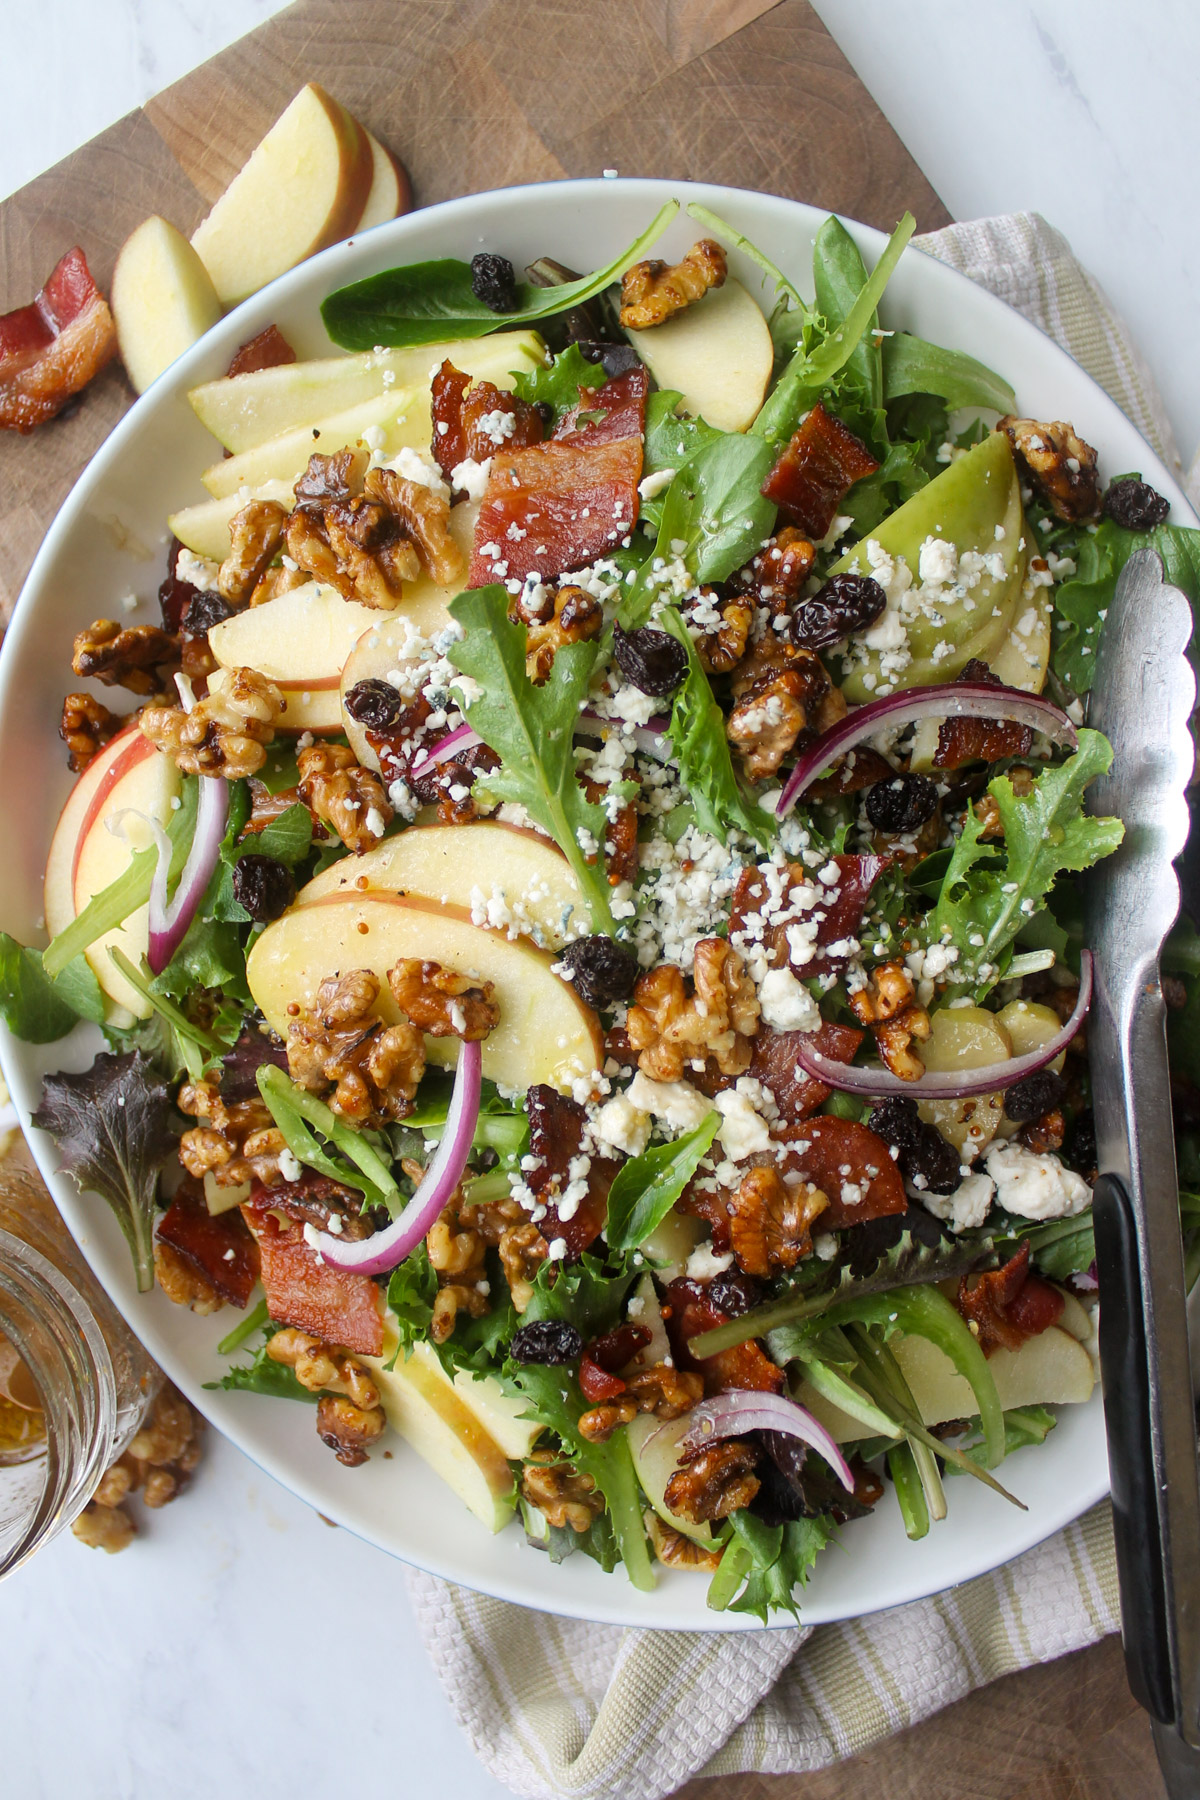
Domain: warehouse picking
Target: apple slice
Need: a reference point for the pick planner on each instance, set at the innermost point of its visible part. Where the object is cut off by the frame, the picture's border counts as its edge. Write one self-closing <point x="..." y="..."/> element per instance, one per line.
<point x="85" y="856"/>
<point x="545" y="1034"/>
<point x="303" y="189"/>
<point x="448" y="863"/>
<point x="300" y="641"/>
<point x="205" y="528"/>
<point x="391" y="190"/>
<point x="499" y="1413"/>
<point x="162" y="300"/>
<point x="655" y="1451"/>
<point x="400" y="414"/>
<point x="717" y="353"/>
<point x="243" y="411"/>
<point x="432" y="1414"/>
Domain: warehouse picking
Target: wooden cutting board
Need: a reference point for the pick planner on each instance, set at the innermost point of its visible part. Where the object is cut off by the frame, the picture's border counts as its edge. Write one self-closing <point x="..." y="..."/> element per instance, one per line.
<point x="476" y="94"/>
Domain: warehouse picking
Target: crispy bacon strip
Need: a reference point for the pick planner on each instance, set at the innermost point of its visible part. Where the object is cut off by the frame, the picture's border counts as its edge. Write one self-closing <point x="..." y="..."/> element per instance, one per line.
<point x="269" y="350"/>
<point x="836" y="922"/>
<point x="687" y="1311"/>
<point x="816" y="470"/>
<point x="850" y="1164"/>
<point x="556" y="1125"/>
<point x="1009" y="1305"/>
<point x="335" y="1305"/>
<point x="458" y="433"/>
<point x="980" y="740"/>
<point x="774" y="1063"/>
<point x="51" y="349"/>
<point x="221" y="1248"/>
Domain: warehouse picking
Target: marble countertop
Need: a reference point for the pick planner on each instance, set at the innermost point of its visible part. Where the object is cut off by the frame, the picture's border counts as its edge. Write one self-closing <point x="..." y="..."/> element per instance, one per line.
<point x="206" y="1659"/>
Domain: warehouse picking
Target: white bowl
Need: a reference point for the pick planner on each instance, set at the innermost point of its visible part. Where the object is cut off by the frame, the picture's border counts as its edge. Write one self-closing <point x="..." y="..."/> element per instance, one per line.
<point x="108" y="540"/>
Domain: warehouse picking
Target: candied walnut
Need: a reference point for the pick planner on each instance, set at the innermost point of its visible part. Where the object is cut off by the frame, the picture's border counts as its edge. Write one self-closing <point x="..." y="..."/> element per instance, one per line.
<point x="1060" y="466"/>
<point x="158" y="1462"/>
<point x="374" y="1069"/>
<point x="776" y="576"/>
<point x="522" y="1250"/>
<point x="341" y="793"/>
<point x="723" y="647"/>
<point x="666" y="1391"/>
<point x="348" y="1430"/>
<point x="779" y="692"/>
<point x="128" y="656"/>
<point x="323" y="1367"/>
<point x="182" y="1282"/>
<point x="652" y="291"/>
<point x="675" y="1551"/>
<point x="671" y="1032"/>
<point x="425" y="515"/>
<point x="991" y="824"/>
<point x="266" y="807"/>
<point x="234" y="1143"/>
<point x="103" y="1527"/>
<point x="255" y="539"/>
<point x="717" y="1482"/>
<point x="457" y="1258"/>
<point x="597" y="1425"/>
<point x="888" y="992"/>
<point x="223" y="734"/>
<point x="573" y="617"/>
<point x="557" y="1489"/>
<point x="277" y="580"/>
<point x="490" y="1219"/>
<point x="1045" y="1133"/>
<point x="323" y="545"/>
<point x="442" y="1002"/>
<point x="770" y="1221"/>
<point x="328" y="478"/>
<point x="167" y="1432"/>
<point x="895" y="1037"/>
<point x="86" y="725"/>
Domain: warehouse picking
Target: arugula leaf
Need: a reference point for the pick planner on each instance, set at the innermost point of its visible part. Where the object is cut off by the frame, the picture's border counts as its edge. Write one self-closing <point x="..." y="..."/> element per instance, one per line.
<point x="647" y="1186"/>
<point x="911" y="366"/>
<point x="38" y="1009"/>
<point x="113" y="1127"/>
<point x="839" y="277"/>
<point x="1082" y="600"/>
<point x="532" y="730"/>
<point x="1045" y="834"/>
<point x="697" y="732"/>
<point x="428" y="301"/>
<point x="558" y="384"/>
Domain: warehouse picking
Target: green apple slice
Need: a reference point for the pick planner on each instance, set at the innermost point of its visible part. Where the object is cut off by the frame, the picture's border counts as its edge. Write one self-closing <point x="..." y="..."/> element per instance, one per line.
<point x="244" y="411"/>
<point x="974" y="504"/>
<point x="717" y="353"/>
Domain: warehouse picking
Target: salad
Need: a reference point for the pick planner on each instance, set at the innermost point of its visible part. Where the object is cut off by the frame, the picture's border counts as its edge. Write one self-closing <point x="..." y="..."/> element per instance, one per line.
<point x="583" y="913"/>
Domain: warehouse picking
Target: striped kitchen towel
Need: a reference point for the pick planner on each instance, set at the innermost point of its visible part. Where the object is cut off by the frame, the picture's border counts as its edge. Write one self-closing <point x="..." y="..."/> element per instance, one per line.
<point x="563" y="1710"/>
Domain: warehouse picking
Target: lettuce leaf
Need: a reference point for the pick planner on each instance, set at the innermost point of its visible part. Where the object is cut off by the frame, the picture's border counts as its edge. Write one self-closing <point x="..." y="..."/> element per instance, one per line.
<point x="1083" y="599"/>
<point x="38" y="1009"/>
<point x="697" y="733"/>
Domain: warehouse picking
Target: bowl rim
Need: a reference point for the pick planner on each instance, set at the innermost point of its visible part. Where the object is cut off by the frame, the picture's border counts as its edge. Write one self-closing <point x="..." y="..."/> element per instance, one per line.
<point x="332" y="268"/>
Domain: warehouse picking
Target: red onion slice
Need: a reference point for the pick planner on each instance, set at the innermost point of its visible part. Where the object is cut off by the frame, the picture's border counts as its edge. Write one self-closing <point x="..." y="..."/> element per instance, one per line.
<point x="376" y="1255"/>
<point x="169" y="923"/>
<point x="453" y="744"/>
<point x="946" y="1084"/>
<point x="954" y="699"/>
<point x="736" y="1410"/>
<point x="650" y="738"/>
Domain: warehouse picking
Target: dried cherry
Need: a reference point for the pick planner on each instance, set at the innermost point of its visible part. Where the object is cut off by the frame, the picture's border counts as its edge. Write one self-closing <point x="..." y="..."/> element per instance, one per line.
<point x="1135" y="505"/>
<point x="375" y="704"/>
<point x="264" y="886"/>
<point x="546" y="1341"/>
<point x="1035" y="1096"/>
<point x="902" y="803"/>
<point x="925" y="1158"/>
<point x="494" y="281"/>
<point x="846" y="604"/>
<point x="602" y="971"/>
<point x="1079" y="1150"/>
<point x="734" y="1292"/>
<point x="654" y="661"/>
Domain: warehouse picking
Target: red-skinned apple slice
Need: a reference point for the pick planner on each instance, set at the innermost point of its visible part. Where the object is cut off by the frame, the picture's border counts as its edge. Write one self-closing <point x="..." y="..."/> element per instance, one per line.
<point x="300" y="641"/>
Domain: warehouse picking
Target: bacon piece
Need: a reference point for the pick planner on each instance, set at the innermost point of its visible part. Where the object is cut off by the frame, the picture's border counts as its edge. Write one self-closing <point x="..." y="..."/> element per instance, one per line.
<point x="604" y="1356"/>
<point x="775" y="1064"/>
<point x="561" y="504"/>
<point x="335" y="1305"/>
<point x="206" y="1241"/>
<point x="837" y="1155"/>
<point x="688" y="1311"/>
<point x="51" y="349"/>
<point x="860" y="769"/>
<point x="556" y="1125"/>
<point x="815" y="471"/>
<point x="457" y="431"/>
<point x="980" y="740"/>
<point x="837" y="921"/>
<point x="1009" y="1305"/>
<point x="269" y="350"/>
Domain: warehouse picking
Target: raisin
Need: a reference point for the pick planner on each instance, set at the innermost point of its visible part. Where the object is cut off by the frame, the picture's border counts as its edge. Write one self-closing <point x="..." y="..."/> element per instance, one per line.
<point x="902" y="803"/>
<point x="734" y="1293"/>
<point x="1079" y="1150"/>
<point x="1135" y="505"/>
<point x="203" y="611"/>
<point x="602" y="972"/>
<point x="614" y="359"/>
<point x="494" y="281"/>
<point x="846" y="604"/>
<point x="1036" y="1095"/>
<point x="375" y="704"/>
<point x="925" y="1158"/>
<point x="546" y="1341"/>
<point x="654" y="661"/>
<point x="263" y="886"/>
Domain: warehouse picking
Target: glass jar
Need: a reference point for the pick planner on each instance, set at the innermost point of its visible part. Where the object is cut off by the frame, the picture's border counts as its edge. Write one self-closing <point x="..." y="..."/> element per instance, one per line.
<point x="74" y="1383"/>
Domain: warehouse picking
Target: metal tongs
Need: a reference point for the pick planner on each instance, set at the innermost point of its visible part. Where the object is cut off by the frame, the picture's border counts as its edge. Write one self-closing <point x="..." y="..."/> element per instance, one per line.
<point x="1142" y="698"/>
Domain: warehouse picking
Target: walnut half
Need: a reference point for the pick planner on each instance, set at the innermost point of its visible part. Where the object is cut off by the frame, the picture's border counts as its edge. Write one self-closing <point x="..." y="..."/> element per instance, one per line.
<point x="653" y="292"/>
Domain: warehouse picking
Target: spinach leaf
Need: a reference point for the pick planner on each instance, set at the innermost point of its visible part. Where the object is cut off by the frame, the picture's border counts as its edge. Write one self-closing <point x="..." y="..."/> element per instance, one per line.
<point x="647" y="1186"/>
<point x="287" y="839"/>
<point x="38" y="1009"/>
<point x="1083" y="599"/>
<point x="671" y="438"/>
<point x="532" y="730"/>
<point x="429" y="301"/>
<point x="911" y="366"/>
<point x="713" y="517"/>
<point x="839" y="277"/>
<point x="697" y="733"/>
<point x="1060" y="1247"/>
<point x="983" y="909"/>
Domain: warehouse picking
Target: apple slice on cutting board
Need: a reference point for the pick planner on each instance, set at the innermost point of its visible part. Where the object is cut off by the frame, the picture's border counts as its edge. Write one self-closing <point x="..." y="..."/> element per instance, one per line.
<point x="391" y="190"/>
<point x="304" y="188"/>
<point x="448" y="863"/>
<point x="85" y="856"/>
<point x="162" y="300"/>
<point x="717" y="353"/>
<point x="545" y="1034"/>
<point x="244" y="411"/>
